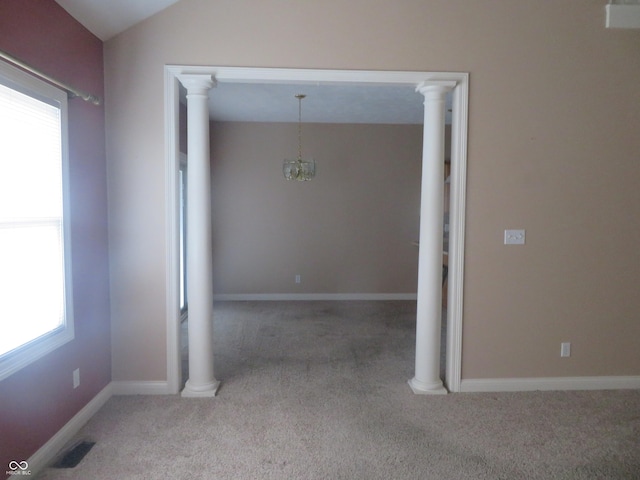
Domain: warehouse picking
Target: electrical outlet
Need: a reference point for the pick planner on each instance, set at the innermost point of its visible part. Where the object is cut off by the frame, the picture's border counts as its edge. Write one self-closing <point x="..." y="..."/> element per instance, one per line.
<point x="514" y="237"/>
<point x="297" y="278"/>
<point x="565" y="349"/>
<point x="76" y="378"/>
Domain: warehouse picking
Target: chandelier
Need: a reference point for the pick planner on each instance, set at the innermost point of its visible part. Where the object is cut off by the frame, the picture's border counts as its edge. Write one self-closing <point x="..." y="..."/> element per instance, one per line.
<point x="299" y="169"/>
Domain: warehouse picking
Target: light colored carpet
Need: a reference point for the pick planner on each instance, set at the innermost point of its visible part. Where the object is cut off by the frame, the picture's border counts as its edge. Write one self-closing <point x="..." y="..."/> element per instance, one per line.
<point x="318" y="390"/>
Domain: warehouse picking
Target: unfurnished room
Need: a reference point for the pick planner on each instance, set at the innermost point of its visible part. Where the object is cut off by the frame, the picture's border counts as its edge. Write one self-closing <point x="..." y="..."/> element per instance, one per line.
<point x="340" y="239"/>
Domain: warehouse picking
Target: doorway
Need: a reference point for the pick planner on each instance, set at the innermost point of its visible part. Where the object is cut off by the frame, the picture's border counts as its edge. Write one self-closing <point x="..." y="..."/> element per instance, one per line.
<point x="457" y="186"/>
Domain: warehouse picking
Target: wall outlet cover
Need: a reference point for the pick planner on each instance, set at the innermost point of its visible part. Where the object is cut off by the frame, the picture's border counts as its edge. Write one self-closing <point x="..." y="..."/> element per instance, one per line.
<point x="514" y="237"/>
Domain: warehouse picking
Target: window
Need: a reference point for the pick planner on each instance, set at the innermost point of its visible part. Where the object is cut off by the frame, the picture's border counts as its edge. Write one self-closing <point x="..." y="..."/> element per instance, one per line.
<point x="35" y="281"/>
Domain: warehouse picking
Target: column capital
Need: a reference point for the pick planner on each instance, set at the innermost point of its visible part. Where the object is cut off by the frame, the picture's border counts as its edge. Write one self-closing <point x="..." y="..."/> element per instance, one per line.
<point x="436" y="88"/>
<point x="197" y="82"/>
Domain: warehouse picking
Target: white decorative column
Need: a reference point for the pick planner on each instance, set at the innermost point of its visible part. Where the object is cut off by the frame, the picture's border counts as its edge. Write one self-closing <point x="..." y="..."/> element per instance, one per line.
<point x="201" y="382"/>
<point x="429" y="309"/>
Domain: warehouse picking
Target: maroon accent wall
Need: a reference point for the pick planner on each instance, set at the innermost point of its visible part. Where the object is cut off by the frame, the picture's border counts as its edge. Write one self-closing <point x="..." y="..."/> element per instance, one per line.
<point x="39" y="399"/>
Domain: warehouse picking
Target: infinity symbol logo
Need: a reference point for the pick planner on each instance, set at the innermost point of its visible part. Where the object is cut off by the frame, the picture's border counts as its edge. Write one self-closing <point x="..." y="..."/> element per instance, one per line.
<point x="13" y="465"/>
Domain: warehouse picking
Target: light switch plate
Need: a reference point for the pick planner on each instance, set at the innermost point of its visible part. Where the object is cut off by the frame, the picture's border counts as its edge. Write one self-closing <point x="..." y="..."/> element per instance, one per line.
<point x="514" y="237"/>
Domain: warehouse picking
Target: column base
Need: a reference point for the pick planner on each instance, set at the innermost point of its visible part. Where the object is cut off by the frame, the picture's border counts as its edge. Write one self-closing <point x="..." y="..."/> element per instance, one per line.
<point x="422" y="388"/>
<point x="207" y="390"/>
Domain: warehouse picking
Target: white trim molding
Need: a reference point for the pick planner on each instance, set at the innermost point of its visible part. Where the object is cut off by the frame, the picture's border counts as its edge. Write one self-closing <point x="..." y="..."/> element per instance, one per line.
<point x="314" y="76"/>
<point x="140" y="388"/>
<point x="49" y="451"/>
<point x="172" y="233"/>
<point x="457" y="216"/>
<point x="243" y="297"/>
<point x="550" y="384"/>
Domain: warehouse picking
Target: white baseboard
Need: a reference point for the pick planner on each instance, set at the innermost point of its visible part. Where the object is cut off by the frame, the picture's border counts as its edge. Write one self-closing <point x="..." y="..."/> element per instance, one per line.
<point x="312" y="296"/>
<point x="550" y="383"/>
<point x="140" y="388"/>
<point x="48" y="452"/>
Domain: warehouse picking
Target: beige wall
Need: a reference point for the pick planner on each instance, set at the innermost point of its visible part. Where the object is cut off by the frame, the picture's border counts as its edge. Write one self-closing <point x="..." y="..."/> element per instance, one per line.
<point x="348" y="231"/>
<point x="553" y="148"/>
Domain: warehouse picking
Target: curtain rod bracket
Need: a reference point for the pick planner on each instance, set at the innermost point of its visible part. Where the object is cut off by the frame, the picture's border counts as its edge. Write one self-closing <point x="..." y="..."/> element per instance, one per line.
<point x="87" y="97"/>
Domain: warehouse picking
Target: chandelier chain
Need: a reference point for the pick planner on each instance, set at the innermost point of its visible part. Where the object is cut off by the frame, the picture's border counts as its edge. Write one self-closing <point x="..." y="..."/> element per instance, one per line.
<point x="300" y="97"/>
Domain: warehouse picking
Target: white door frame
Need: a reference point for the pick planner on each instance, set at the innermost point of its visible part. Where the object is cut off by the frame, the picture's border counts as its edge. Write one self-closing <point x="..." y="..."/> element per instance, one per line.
<point x="300" y="76"/>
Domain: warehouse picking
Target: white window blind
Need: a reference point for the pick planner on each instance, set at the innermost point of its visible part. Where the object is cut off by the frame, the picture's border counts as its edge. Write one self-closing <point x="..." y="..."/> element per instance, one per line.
<point x="34" y="301"/>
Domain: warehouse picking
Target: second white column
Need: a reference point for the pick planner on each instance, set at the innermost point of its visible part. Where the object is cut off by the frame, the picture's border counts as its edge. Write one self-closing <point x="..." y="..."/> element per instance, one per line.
<point x="429" y="308"/>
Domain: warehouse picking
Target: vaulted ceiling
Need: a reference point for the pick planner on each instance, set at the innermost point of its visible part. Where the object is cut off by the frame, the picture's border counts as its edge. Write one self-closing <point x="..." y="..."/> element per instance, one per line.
<point x="107" y="18"/>
<point x="264" y="102"/>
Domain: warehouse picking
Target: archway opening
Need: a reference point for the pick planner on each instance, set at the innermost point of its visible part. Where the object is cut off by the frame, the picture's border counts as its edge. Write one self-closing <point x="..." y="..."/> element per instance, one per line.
<point x="457" y="185"/>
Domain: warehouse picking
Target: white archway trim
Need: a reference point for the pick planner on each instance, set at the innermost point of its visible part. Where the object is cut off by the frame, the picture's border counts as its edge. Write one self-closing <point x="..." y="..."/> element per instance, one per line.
<point x="457" y="216"/>
<point x="172" y="229"/>
<point x="313" y="76"/>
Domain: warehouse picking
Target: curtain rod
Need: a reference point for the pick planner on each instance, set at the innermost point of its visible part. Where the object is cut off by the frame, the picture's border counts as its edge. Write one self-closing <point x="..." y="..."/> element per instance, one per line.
<point x="72" y="92"/>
